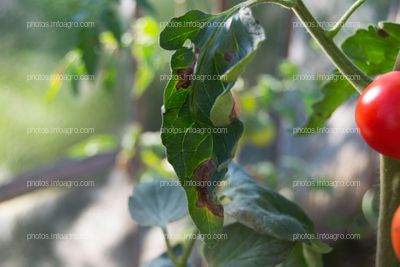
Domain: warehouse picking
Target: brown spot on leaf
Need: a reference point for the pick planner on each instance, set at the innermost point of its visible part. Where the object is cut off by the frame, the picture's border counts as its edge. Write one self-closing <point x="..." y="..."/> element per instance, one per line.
<point x="203" y="175"/>
<point x="229" y="56"/>
<point x="185" y="78"/>
<point x="383" y="33"/>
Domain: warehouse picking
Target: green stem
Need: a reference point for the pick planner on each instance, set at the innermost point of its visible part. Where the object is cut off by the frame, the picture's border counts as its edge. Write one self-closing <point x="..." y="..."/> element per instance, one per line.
<point x="170" y="250"/>
<point x="389" y="202"/>
<point x="354" y="75"/>
<point x="182" y="262"/>
<point x="284" y="3"/>
<point x="336" y="29"/>
<point x="188" y="250"/>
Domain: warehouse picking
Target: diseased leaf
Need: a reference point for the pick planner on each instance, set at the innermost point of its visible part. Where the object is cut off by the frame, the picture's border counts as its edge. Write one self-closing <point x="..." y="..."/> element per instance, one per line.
<point x="262" y="209"/>
<point x="245" y="247"/>
<point x="374" y="51"/>
<point x="269" y="215"/>
<point x="197" y="148"/>
<point x="155" y="205"/>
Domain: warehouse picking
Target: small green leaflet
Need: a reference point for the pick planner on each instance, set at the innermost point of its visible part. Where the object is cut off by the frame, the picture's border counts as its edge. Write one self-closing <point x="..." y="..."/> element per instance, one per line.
<point x="198" y="146"/>
<point x="374" y="50"/>
<point x="335" y="93"/>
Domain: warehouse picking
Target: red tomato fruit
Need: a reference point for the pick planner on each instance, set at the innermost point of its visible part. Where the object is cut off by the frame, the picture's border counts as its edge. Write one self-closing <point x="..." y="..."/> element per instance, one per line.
<point x="396" y="233"/>
<point x="378" y="114"/>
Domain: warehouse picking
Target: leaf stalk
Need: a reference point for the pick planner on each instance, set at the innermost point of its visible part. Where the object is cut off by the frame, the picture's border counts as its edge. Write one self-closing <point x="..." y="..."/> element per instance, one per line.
<point x="339" y="25"/>
<point x="348" y="69"/>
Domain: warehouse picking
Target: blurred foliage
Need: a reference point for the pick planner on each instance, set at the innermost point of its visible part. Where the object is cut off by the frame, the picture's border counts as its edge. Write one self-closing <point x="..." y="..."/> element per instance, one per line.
<point x="147" y="53"/>
<point x="92" y="146"/>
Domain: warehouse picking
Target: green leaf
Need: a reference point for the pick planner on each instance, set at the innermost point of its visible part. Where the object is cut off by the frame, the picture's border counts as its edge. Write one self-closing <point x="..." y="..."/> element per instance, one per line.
<point x="304" y="255"/>
<point x="197" y="148"/>
<point x="319" y="246"/>
<point x="220" y="114"/>
<point x="374" y="51"/>
<point x="262" y="209"/>
<point x="312" y="257"/>
<point x="179" y="29"/>
<point x="296" y="257"/>
<point x="245" y="247"/>
<point x="335" y="93"/>
<point x="153" y="204"/>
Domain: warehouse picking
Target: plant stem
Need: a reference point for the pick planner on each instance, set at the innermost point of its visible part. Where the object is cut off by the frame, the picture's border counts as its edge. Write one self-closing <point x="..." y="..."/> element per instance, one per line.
<point x="336" y="29"/>
<point x="389" y="202"/>
<point x="188" y="250"/>
<point x="182" y="262"/>
<point x="354" y="75"/>
<point x="170" y="250"/>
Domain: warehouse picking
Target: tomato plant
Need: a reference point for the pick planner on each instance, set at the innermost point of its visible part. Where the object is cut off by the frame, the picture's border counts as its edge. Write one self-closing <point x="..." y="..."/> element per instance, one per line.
<point x="378" y="115"/>
<point x="202" y="128"/>
<point x="203" y="161"/>
<point x="396" y="233"/>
